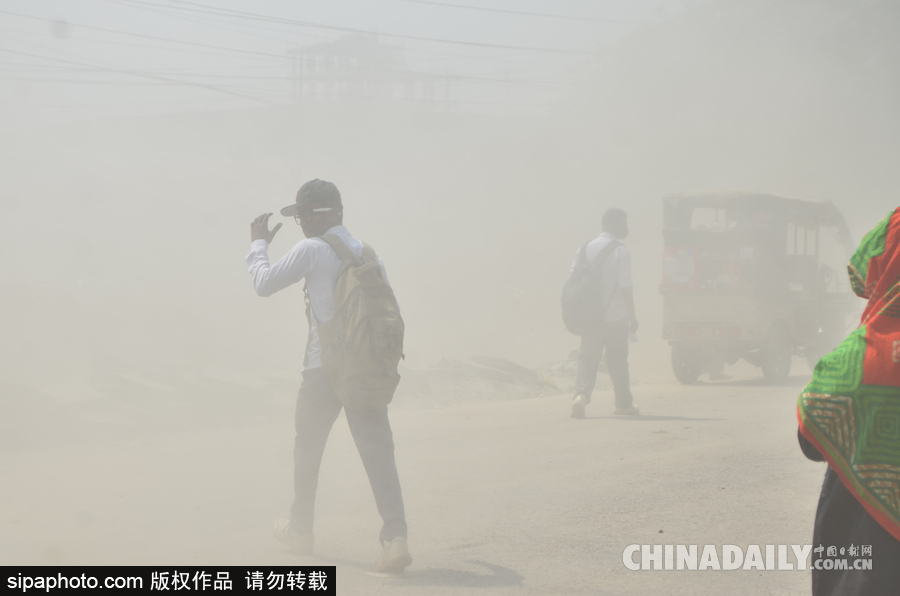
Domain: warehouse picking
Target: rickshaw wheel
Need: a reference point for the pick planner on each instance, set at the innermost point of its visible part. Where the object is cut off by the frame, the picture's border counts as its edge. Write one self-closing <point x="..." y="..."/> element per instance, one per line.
<point x="686" y="365"/>
<point x="777" y="354"/>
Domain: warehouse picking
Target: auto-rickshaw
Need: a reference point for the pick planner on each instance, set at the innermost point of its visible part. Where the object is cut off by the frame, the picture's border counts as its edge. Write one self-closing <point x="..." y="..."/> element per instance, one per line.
<point x="754" y="276"/>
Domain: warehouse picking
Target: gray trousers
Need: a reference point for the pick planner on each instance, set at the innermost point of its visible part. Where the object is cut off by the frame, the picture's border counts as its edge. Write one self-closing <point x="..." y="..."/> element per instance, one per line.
<point x="317" y="409"/>
<point x="613" y="336"/>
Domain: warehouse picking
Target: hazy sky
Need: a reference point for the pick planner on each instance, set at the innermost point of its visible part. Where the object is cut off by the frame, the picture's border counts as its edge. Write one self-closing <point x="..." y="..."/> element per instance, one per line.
<point x="98" y="58"/>
<point x="149" y="215"/>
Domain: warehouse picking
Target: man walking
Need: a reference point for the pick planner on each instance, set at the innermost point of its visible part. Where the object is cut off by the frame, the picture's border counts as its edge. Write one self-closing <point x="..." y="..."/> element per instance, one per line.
<point x="618" y="318"/>
<point x="319" y="211"/>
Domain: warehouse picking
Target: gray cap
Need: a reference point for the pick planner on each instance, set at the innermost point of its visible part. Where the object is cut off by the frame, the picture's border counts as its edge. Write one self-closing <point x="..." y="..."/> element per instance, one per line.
<point x="316" y="190"/>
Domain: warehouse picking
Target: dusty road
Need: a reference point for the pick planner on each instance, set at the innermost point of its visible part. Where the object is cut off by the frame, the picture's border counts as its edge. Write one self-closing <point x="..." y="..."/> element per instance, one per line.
<point x="507" y="497"/>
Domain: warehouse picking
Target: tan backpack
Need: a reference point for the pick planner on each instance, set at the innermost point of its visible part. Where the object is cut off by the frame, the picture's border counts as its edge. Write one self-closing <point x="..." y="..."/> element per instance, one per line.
<point x="363" y="344"/>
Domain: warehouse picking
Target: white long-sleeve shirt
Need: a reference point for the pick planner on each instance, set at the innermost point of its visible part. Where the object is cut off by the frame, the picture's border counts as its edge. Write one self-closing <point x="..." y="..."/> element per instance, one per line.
<point x="314" y="260"/>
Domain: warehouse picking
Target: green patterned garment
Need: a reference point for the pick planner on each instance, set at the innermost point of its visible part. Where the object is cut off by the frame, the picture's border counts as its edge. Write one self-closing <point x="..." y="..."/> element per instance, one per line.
<point x="851" y="409"/>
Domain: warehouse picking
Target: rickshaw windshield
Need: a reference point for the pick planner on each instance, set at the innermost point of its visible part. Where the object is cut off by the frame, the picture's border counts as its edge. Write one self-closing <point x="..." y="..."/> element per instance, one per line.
<point x="753" y="243"/>
<point x="710" y="216"/>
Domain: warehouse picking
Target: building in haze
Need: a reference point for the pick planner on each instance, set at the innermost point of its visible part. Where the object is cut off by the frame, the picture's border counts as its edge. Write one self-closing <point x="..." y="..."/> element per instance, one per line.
<point x="359" y="67"/>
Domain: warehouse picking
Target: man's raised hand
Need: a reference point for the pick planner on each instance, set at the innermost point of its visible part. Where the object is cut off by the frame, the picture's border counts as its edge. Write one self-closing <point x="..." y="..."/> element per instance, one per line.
<point x="259" y="229"/>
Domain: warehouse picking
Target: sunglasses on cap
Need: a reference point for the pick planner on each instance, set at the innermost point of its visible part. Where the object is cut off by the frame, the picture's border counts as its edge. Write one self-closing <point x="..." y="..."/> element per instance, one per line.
<point x="309" y="212"/>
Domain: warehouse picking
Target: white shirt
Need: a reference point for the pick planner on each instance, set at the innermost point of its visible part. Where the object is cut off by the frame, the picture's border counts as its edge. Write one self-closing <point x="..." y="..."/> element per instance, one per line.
<point x="313" y="259"/>
<point x="615" y="271"/>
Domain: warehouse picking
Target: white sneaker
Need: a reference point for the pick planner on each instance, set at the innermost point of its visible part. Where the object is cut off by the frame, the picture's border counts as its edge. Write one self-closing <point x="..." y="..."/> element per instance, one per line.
<point x="629" y="411"/>
<point x="302" y="544"/>
<point x="394" y="558"/>
<point x="578" y="406"/>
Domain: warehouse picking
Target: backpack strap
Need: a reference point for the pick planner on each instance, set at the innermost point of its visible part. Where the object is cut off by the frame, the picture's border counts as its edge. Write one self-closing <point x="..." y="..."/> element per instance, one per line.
<point x="604" y="253"/>
<point x="346" y="255"/>
<point x="309" y="323"/>
<point x="582" y="256"/>
<point x="598" y="260"/>
<point x="593" y="266"/>
<point x="369" y="253"/>
<point x="347" y="259"/>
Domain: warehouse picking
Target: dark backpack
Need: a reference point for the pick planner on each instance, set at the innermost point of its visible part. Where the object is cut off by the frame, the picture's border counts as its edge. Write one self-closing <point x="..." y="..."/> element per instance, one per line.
<point x="582" y="296"/>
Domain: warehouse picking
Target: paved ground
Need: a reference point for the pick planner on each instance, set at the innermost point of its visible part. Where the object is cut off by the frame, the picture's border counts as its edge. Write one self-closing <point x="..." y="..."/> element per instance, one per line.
<point x="507" y="497"/>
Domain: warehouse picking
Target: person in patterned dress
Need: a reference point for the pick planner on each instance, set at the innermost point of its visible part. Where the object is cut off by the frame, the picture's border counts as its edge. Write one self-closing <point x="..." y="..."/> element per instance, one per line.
<point x="850" y="417"/>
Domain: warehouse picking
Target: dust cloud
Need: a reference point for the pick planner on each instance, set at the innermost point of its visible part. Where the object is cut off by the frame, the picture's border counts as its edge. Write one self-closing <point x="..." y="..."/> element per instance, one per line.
<point x="123" y="239"/>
